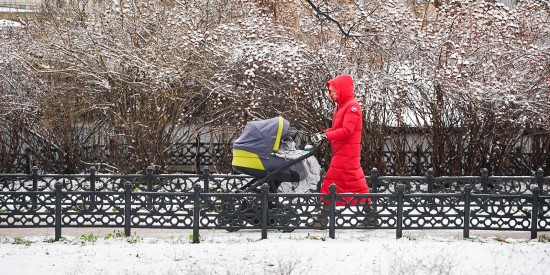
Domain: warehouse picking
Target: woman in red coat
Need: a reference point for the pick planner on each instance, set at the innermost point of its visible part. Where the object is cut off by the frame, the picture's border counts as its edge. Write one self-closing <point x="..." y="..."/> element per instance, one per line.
<point x="345" y="138"/>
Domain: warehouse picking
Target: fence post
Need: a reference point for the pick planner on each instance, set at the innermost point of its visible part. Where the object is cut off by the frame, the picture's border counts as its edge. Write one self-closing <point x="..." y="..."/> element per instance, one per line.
<point x="58" y="209"/>
<point x="540" y="178"/>
<point x="417" y="166"/>
<point x="400" y="197"/>
<point x="198" y="154"/>
<point x="430" y="180"/>
<point x="127" y="208"/>
<point x="34" y="178"/>
<point x="485" y="186"/>
<point x="206" y="179"/>
<point x="265" y="206"/>
<point x="374" y="184"/>
<point x="27" y="157"/>
<point x="92" y="187"/>
<point x="467" y="201"/>
<point x="92" y="178"/>
<point x="196" y="212"/>
<point x="34" y="186"/>
<point x="332" y="220"/>
<point x="149" y="179"/>
<point x="374" y="180"/>
<point x="485" y="180"/>
<point x="535" y="213"/>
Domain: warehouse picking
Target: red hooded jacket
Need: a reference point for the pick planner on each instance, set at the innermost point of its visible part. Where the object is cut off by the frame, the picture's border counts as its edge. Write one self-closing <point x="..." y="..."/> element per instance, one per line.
<point x="345" y="138"/>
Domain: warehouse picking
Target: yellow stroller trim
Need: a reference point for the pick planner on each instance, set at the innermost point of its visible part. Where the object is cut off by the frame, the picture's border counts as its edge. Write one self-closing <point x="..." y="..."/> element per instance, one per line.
<point x="279" y="134"/>
<point x="246" y="159"/>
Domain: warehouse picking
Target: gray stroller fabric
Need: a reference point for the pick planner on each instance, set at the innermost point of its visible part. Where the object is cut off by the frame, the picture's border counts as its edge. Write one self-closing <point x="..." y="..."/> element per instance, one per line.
<point x="308" y="170"/>
<point x="258" y="137"/>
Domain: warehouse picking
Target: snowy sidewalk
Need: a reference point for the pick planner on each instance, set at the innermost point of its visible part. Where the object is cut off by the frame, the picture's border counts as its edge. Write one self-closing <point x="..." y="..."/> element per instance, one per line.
<point x="174" y="233"/>
<point x="88" y="251"/>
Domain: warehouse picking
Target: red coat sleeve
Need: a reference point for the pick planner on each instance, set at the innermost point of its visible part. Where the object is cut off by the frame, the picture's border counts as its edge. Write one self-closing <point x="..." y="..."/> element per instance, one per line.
<point x="348" y="126"/>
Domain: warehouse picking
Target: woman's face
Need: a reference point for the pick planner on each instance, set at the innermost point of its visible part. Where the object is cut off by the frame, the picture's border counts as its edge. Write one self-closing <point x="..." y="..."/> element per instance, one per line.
<point x="332" y="93"/>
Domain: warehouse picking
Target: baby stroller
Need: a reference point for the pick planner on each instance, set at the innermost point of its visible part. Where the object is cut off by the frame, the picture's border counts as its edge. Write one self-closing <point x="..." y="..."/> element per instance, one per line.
<point x="266" y="151"/>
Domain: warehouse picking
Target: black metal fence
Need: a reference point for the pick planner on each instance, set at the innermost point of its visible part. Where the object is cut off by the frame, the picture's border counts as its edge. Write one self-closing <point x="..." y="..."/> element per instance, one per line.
<point x="207" y="201"/>
<point x="190" y="157"/>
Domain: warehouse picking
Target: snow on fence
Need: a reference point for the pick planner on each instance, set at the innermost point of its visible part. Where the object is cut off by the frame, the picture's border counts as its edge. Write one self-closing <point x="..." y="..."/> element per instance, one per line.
<point x="214" y="201"/>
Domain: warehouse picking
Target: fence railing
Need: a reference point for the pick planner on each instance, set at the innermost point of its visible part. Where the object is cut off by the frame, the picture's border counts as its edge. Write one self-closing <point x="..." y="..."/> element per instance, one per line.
<point x="190" y="157"/>
<point x="207" y="201"/>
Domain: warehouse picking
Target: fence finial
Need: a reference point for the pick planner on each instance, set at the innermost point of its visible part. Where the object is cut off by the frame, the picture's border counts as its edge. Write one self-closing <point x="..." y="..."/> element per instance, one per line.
<point x="484" y="172"/>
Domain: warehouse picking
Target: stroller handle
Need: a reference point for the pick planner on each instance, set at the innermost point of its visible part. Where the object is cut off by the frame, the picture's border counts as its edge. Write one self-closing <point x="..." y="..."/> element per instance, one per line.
<point x="278" y="170"/>
<point x="288" y="164"/>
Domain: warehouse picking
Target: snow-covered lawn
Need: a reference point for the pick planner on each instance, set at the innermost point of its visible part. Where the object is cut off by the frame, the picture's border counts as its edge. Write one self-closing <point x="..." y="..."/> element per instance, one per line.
<point x="9" y="23"/>
<point x="105" y="251"/>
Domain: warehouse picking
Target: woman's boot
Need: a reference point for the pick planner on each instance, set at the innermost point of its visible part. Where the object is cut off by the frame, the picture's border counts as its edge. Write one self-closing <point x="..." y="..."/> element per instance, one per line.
<point x="369" y="220"/>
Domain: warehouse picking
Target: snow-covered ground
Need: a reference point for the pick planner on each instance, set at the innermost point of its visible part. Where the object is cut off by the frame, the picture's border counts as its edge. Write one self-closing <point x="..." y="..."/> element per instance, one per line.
<point x="14" y="10"/>
<point x="9" y="24"/>
<point x="105" y="251"/>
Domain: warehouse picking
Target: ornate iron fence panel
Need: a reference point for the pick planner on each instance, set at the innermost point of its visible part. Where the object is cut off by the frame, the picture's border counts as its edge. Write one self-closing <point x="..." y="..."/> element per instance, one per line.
<point x="225" y="183"/>
<point x="543" y="212"/>
<point x="161" y="210"/>
<point x="366" y="211"/>
<point x="233" y="211"/>
<point x="92" y="209"/>
<point x="27" y="209"/>
<point x="433" y="211"/>
<point x="209" y="201"/>
<point x="16" y="182"/>
<point x="185" y="154"/>
<point x="168" y="182"/>
<point x="483" y="184"/>
<point x="501" y="212"/>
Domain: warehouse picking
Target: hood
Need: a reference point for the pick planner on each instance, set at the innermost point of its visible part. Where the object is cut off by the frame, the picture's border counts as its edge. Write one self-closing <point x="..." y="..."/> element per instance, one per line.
<point x="343" y="84"/>
<point x="263" y="137"/>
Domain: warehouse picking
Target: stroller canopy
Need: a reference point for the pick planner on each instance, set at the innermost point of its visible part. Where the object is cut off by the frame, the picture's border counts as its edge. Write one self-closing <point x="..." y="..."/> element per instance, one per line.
<point x="262" y="137"/>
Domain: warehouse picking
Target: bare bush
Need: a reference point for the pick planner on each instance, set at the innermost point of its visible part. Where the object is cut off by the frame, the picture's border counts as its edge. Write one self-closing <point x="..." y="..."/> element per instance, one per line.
<point x="120" y="84"/>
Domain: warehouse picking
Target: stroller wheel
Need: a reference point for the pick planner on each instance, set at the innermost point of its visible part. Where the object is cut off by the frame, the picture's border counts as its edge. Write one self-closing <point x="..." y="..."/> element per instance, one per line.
<point x="285" y="217"/>
<point x="229" y="214"/>
<point x="237" y="213"/>
<point x="231" y="221"/>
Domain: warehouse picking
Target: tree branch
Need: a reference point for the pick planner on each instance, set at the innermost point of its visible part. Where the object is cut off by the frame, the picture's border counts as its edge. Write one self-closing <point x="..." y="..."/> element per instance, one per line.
<point x="330" y="18"/>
